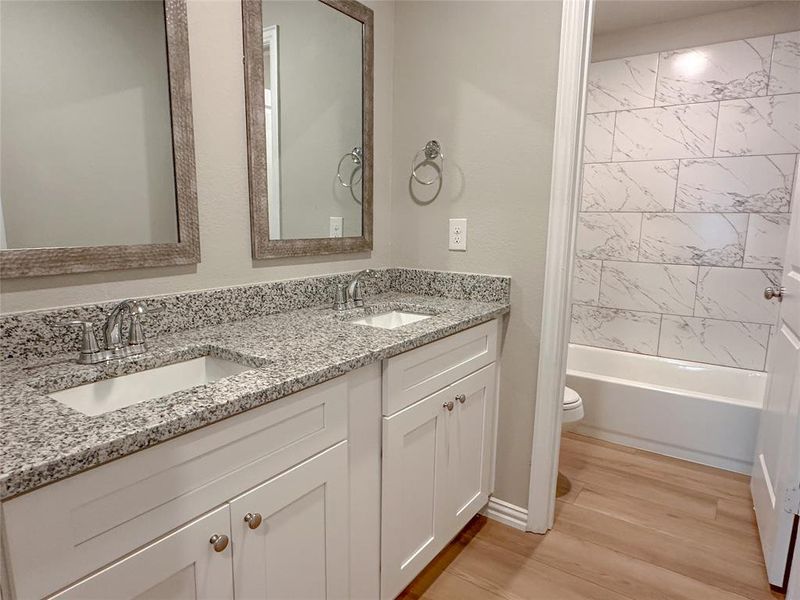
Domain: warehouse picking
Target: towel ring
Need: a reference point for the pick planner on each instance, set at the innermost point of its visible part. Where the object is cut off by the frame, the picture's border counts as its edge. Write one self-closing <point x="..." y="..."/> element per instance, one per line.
<point x="432" y="151"/>
<point x="357" y="156"/>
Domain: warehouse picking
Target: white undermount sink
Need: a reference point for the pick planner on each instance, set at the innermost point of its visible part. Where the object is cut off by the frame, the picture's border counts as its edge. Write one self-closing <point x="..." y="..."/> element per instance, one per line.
<point x="391" y="320"/>
<point x="112" y="394"/>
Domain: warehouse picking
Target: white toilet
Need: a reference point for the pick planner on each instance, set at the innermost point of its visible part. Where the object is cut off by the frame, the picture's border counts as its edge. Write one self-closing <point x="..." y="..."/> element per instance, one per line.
<point x="573" y="409"/>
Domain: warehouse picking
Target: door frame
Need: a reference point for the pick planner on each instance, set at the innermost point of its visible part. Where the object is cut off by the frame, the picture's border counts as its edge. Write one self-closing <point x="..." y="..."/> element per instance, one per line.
<point x="565" y="193"/>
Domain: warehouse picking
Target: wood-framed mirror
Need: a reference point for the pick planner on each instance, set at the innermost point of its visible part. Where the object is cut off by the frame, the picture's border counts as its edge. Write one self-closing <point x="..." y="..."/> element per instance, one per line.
<point x="98" y="159"/>
<point x="309" y="93"/>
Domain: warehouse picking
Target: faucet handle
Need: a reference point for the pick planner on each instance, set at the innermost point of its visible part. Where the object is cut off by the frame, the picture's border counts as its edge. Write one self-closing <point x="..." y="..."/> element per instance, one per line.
<point x="88" y="340"/>
<point x="340" y="297"/>
<point x="136" y="332"/>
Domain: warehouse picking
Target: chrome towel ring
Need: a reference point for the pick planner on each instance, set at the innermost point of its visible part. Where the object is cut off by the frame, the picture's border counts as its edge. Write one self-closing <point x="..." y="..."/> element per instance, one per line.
<point x="432" y="151"/>
<point x="357" y="156"/>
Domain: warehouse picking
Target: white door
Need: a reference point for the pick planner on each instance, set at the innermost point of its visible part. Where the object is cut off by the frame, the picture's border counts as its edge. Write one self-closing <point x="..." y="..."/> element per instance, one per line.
<point x="184" y="565"/>
<point x="414" y="483"/>
<point x="776" y="469"/>
<point x="296" y="540"/>
<point x="469" y="447"/>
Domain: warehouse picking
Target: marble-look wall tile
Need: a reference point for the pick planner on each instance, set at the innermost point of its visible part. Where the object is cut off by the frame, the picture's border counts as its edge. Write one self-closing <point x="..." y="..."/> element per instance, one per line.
<point x="685" y="131"/>
<point x="738" y="69"/>
<point x="598" y="137"/>
<point x="647" y="186"/>
<point x="622" y="83"/>
<point x="736" y="294"/>
<point x="693" y="238"/>
<point x="608" y="235"/>
<point x="766" y="241"/>
<point x="768" y="125"/>
<point x="648" y="286"/>
<point x="784" y="77"/>
<point x="586" y="281"/>
<point x="615" y="329"/>
<point x="725" y="343"/>
<point x="736" y="184"/>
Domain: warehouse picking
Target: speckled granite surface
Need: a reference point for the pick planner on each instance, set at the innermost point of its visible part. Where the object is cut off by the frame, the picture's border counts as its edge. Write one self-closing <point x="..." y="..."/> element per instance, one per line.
<point x="44" y="441"/>
<point x="35" y="333"/>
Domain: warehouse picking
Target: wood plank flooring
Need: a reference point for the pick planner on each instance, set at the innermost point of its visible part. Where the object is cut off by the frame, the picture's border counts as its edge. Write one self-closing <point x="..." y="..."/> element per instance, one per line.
<point x="630" y="525"/>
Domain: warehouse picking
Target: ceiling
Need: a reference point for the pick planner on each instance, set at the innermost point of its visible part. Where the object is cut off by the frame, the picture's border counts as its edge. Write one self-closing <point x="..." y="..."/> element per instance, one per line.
<point x="616" y="15"/>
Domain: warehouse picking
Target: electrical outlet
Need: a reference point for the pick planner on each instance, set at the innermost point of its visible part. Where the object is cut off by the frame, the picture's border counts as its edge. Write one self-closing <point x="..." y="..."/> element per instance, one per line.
<point x="458" y="234"/>
<point x="336" y="227"/>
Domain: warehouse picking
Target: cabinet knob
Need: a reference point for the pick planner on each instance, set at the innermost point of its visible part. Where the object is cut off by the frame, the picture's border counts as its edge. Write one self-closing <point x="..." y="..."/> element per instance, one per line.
<point x="253" y="520"/>
<point x="219" y="542"/>
<point x="461" y="398"/>
<point x="448" y="405"/>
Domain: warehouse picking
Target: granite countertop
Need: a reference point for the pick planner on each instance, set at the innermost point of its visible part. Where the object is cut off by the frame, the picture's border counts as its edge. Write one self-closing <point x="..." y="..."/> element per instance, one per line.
<point x="44" y="440"/>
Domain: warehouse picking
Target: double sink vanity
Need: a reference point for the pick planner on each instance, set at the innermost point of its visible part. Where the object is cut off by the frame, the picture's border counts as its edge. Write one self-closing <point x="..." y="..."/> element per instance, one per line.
<point x="286" y="450"/>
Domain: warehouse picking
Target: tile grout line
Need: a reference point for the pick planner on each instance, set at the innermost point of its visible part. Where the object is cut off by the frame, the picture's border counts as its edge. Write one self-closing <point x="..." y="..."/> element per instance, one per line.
<point x="669" y="314"/>
<point x="727" y="156"/>
<point x="711" y="101"/>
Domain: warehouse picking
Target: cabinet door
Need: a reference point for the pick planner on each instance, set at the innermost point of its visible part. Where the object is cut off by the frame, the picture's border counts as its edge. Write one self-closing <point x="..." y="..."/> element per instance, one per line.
<point x="181" y="566"/>
<point x="471" y="436"/>
<point x="300" y="548"/>
<point x="414" y="483"/>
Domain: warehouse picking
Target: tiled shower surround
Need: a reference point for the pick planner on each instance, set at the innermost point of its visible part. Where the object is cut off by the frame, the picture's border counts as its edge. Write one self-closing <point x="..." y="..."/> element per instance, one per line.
<point x="689" y="166"/>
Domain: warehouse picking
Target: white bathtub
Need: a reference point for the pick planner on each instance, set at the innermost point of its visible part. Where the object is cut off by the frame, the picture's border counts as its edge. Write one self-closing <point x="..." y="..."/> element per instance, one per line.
<point x="699" y="412"/>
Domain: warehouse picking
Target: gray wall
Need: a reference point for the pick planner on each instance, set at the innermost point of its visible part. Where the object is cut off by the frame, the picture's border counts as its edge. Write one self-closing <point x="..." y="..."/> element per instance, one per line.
<point x="215" y="38"/>
<point x="481" y="78"/>
<point x="86" y="145"/>
<point x="320" y="114"/>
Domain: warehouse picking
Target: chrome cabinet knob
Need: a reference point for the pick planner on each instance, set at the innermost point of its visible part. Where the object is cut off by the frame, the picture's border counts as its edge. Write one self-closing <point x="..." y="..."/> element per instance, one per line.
<point x="461" y="398"/>
<point x="774" y="292"/>
<point x="219" y="542"/>
<point x="253" y="520"/>
<point x="448" y="405"/>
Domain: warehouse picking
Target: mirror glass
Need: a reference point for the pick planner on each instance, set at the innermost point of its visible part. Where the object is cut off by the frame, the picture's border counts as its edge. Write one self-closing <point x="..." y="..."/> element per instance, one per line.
<point x="314" y="120"/>
<point x="86" y="152"/>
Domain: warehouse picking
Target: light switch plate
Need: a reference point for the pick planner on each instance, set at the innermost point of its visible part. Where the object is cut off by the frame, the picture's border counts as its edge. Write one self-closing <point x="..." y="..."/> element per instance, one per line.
<point x="336" y="227"/>
<point x="458" y="234"/>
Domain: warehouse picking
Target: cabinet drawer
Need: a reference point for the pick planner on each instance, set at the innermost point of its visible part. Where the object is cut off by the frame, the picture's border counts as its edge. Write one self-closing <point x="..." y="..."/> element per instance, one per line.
<point x="63" y="531"/>
<point x="411" y="376"/>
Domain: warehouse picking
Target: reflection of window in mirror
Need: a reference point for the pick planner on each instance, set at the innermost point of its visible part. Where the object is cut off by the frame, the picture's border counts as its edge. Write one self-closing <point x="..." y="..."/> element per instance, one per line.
<point x="272" y="124"/>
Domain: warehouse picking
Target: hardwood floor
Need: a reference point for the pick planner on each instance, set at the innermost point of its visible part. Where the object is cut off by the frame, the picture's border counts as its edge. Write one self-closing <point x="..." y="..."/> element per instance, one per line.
<point x="630" y="525"/>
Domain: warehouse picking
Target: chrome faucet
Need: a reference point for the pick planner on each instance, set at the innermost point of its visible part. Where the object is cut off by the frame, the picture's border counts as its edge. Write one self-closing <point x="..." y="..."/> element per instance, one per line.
<point x="112" y="330"/>
<point x="91" y="352"/>
<point x="351" y="295"/>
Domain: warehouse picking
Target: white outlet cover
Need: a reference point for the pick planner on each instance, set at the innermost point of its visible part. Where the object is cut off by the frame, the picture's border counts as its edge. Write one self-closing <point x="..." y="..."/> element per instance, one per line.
<point x="458" y="235"/>
<point x="336" y="227"/>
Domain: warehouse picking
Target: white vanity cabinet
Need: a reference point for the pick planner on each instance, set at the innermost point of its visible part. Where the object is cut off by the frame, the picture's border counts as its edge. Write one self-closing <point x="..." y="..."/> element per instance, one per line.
<point x="344" y="490"/>
<point x="438" y="452"/>
<point x="142" y="526"/>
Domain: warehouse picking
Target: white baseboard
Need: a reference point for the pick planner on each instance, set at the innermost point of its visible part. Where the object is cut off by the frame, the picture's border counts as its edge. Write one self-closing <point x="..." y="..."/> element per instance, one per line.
<point x="506" y="513"/>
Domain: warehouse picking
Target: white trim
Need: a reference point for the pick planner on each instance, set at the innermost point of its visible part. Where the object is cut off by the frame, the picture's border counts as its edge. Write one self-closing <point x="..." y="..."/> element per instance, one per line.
<point x="574" y="58"/>
<point x="270" y="40"/>
<point x="506" y="513"/>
